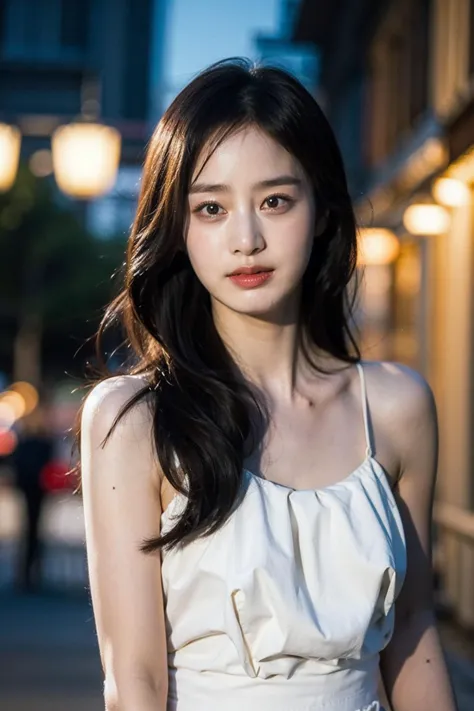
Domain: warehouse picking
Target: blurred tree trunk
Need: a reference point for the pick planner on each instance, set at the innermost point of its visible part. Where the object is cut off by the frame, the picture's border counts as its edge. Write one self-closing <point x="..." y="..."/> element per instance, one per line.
<point x="27" y="349"/>
<point x="28" y="338"/>
<point x="55" y="278"/>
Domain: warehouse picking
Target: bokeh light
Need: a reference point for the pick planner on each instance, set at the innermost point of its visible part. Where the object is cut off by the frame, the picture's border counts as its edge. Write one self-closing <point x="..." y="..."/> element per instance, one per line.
<point x="8" y="442"/>
<point x="29" y="394"/>
<point x="7" y="416"/>
<point x="451" y="192"/>
<point x="10" y="142"/>
<point x="85" y="158"/>
<point x="426" y="219"/>
<point x="41" y="163"/>
<point x="15" y="401"/>
<point x="377" y="247"/>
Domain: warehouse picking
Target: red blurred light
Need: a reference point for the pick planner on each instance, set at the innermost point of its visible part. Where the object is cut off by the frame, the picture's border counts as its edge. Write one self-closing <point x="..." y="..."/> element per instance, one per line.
<point x="8" y="442"/>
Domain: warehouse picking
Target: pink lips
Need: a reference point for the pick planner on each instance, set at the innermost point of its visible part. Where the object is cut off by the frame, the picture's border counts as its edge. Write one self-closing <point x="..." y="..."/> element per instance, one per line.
<point x="250" y="278"/>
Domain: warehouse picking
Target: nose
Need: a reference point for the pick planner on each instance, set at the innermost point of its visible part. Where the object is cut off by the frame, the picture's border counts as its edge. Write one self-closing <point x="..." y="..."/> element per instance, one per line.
<point x="246" y="234"/>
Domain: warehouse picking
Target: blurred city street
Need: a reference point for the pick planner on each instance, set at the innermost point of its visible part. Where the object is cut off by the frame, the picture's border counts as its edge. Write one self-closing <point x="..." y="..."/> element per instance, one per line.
<point x="48" y="651"/>
<point x="48" y="654"/>
<point x="63" y="534"/>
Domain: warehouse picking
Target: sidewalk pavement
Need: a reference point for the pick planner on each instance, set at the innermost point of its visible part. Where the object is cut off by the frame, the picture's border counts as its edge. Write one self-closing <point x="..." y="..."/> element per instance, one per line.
<point x="48" y="654"/>
<point x="49" y="659"/>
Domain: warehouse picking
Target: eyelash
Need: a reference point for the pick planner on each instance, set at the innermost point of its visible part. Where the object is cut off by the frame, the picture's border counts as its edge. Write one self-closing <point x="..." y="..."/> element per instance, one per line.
<point x="199" y="208"/>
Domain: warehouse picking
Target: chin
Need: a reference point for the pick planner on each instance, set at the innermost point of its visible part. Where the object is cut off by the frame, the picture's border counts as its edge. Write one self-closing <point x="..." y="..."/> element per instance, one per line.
<point x="260" y="306"/>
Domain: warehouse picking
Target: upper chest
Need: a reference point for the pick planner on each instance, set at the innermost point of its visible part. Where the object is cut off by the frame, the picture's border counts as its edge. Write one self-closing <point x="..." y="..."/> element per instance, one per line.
<point x="309" y="447"/>
<point x="316" y="441"/>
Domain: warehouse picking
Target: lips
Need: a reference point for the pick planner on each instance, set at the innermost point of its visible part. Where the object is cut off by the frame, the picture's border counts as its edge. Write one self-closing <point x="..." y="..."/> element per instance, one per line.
<point x="250" y="270"/>
<point x="251" y="277"/>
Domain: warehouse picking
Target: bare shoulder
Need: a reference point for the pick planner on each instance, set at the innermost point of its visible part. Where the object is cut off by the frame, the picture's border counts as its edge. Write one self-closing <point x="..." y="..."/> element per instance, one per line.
<point x="399" y="388"/>
<point x="116" y="445"/>
<point x="107" y="399"/>
<point x="403" y="408"/>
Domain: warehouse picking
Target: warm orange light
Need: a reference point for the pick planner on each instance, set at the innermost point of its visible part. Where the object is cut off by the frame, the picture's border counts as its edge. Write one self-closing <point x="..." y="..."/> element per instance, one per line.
<point x="426" y="219"/>
<point x="10" y="142"/>
<point x="29" y="394"/>
<point x="15" y="402"/>
<point x="7" y="416"/>
<point x="377" y="247"/>
<point x="451" y="192"/>
<point x="85" y="158"/>
<point x="463" y="168"/>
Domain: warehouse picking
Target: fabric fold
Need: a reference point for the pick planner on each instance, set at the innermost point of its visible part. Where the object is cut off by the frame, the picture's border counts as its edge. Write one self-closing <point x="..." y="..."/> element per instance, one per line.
<point x="296" y="583"/>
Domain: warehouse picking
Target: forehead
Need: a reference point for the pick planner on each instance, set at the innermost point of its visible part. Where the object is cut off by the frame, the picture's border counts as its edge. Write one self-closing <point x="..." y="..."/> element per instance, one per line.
<point x="248" y="155"/>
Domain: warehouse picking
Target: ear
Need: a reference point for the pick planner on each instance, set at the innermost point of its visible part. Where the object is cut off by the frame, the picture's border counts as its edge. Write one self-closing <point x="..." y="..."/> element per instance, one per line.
<point x="321" y="224"/>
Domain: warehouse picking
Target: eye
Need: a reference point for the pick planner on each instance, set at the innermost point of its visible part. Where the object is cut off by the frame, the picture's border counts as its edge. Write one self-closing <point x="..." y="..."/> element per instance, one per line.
<point x="275" y="202"/>
<point x="208" y="209"/>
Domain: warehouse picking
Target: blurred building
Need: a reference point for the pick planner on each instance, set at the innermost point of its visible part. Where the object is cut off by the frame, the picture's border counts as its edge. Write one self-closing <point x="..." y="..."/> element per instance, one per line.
<point x="397" y="82"/>
<point x="63" y="58"/>
<point x="279" y="50"/>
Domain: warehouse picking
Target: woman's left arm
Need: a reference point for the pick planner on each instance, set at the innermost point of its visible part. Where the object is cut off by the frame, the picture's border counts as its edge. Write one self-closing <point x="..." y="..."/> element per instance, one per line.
<point x="413" y="665"/>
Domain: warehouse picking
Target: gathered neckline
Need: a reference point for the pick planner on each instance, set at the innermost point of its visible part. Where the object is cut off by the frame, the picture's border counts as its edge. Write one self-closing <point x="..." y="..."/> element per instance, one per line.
<point x="376" y="467"/>
<point x="369" y="459"/>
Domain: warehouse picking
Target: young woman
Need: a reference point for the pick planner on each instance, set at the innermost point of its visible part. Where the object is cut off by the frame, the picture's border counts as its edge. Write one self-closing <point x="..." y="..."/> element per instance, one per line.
<point x="272" y="582"/>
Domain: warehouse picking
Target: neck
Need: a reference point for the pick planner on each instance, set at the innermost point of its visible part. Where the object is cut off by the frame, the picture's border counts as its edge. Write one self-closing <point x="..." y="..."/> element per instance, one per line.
<point x="267" y="351"/>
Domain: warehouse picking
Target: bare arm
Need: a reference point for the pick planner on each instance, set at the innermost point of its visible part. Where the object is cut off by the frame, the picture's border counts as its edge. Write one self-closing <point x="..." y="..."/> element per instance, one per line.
<point x="413" y="665"/>
<point x="122" y="508"/>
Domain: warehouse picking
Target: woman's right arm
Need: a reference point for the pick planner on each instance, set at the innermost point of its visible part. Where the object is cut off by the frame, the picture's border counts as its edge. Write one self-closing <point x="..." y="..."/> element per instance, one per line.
<point x="122" y="508"/>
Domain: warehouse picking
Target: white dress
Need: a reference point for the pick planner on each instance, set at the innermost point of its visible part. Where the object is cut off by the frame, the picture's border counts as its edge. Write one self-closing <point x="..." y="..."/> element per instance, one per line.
<point x="287" y="607"/>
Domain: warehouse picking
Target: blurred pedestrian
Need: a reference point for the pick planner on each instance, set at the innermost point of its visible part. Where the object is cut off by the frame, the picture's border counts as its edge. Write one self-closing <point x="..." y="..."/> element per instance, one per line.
<point x="33" y="453"/>
<point x="243" y="553"/>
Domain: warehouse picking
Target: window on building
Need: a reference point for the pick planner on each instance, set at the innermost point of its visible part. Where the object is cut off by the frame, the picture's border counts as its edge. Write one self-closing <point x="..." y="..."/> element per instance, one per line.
<point x="74" y="30"/>
<point x="44" y="30"/>
<point x="399" y="76"/>
<point x="453" y="55"/>
<point x="389" y="89"/>
<point x="419" y="58"/>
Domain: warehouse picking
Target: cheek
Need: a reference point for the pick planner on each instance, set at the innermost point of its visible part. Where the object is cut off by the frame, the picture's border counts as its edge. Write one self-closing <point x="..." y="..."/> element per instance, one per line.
<point x="295" y="239"/>
<point x="203" y="252"/>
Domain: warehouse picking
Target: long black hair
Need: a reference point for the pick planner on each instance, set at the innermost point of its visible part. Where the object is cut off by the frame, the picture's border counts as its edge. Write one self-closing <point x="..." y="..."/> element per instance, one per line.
<point x="203" y="410"/>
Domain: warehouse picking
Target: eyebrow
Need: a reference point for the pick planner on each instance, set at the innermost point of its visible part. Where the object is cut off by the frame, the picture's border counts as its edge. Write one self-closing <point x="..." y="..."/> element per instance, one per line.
<point x="221" y="188"/>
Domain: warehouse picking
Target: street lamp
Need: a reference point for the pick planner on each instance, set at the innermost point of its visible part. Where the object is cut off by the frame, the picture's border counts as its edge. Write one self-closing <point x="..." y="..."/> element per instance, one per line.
<point x="378" y="247"/>
<point x="85" y="158"/>
<point x="426" y="219"/>
<point x="451" y="192"/>
<point x="10" y="141"/>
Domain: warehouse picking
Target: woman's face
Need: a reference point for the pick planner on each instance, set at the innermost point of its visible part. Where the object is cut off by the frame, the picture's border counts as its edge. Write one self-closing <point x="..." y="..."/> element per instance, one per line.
<point x="251" y="205"/>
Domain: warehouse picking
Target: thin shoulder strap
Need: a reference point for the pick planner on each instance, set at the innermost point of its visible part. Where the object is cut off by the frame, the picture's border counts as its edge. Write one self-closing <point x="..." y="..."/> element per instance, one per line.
<point x="365" y="408"/>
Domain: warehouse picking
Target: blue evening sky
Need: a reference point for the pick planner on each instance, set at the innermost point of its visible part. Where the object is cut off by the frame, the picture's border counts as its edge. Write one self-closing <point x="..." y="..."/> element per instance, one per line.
<point x="203" y="31"/>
